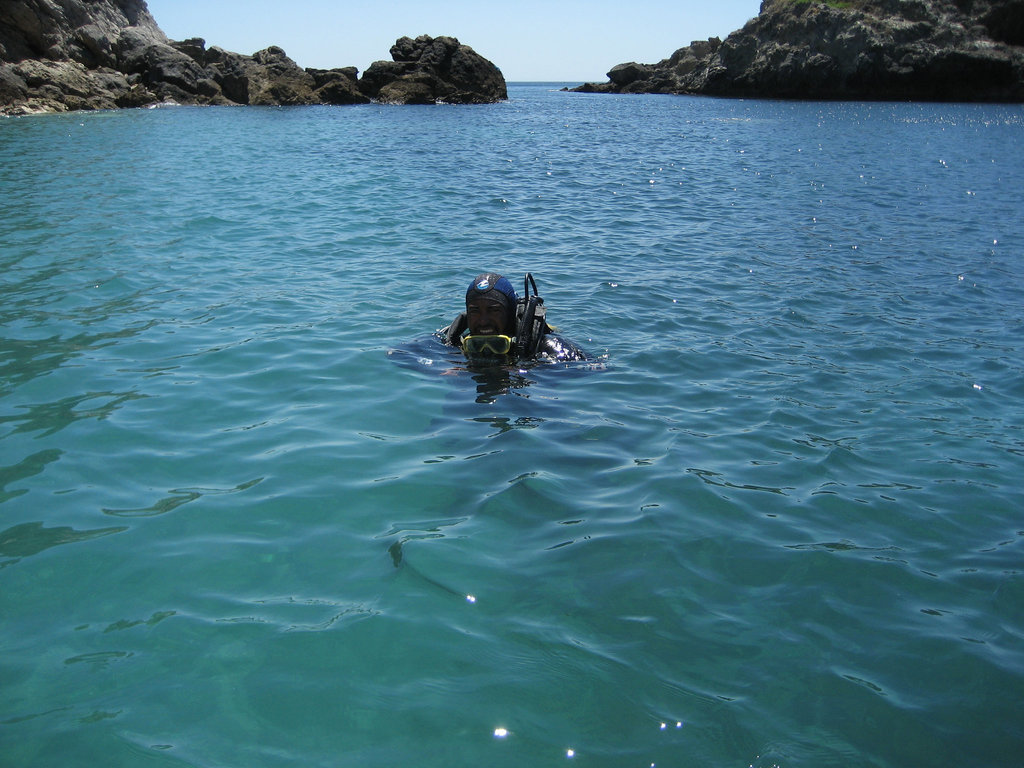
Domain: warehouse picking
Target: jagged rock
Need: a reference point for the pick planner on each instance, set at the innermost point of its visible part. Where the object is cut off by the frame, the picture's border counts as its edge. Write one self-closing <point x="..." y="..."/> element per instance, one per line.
<point x="229" y="70"/>
<point x="950" y="50"/>
<point x="432" y="70"/>
<point x="60" y="55"/>
<point x="276" y="79"/>
<point x="337" y="86"/>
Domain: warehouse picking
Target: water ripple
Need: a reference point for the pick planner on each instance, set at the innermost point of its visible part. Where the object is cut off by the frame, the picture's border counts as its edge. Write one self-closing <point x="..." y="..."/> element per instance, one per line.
<point x="777" y="524"/>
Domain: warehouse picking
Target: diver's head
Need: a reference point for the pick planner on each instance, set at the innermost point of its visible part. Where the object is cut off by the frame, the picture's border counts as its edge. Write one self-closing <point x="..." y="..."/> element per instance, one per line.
<point x="491" y="305"/>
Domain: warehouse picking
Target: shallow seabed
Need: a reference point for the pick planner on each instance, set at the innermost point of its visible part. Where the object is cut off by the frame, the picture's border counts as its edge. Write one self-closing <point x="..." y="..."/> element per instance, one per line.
<point x="779" y="525"/>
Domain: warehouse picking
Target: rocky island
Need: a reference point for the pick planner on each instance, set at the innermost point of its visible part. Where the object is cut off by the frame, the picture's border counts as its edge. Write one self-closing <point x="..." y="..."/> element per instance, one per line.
<point x="920" y="50"/>
<point x="62" y="55"/>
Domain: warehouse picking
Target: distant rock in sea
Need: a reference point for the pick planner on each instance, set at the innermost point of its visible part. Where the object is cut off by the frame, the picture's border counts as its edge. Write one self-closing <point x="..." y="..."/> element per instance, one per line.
<point x="62" y="55"/>
<point x="430" y="70"/>
<point x="926" y="50"/>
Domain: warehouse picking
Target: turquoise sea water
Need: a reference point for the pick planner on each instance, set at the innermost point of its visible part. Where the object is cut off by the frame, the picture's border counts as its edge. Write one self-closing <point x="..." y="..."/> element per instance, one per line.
<point x="783" y="526"/>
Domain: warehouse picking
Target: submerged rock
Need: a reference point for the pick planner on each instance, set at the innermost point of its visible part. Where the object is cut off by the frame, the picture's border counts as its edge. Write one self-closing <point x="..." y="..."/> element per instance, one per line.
<point x="61" y="55"/>
<point x="946" y="50"/>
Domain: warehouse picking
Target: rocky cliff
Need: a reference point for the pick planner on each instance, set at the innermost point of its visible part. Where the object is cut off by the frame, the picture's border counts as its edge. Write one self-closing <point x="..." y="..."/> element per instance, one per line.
<point x="60" y="55"/>
<point x="947" y="50"/>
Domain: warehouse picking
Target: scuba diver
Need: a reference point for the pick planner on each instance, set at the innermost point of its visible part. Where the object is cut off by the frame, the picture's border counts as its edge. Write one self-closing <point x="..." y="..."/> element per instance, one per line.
<point x="499" y="326"/>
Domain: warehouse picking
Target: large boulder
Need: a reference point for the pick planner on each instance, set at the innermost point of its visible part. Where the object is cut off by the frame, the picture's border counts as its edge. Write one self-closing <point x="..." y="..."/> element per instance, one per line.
<point x="337" y="86"/>
<point x="433" y="70"/>
<point x="276" y="79"/>
<point x="951" y="50"/>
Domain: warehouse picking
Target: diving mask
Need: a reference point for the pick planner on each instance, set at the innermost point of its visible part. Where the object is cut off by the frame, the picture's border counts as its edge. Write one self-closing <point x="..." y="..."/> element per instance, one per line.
<point x="487" y="346"/>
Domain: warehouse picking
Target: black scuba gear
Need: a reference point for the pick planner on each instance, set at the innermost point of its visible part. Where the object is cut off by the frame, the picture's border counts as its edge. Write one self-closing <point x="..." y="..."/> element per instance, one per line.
<point x="530" y="320"/>
<point x="453" y="333"/>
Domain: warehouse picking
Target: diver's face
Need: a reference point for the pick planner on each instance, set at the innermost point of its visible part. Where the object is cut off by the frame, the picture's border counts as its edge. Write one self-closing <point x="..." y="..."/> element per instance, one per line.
<point x="486" y="317"/>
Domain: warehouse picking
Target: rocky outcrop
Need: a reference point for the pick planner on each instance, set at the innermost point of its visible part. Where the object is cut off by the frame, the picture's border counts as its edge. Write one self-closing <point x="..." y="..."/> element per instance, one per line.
<point x="947" y="50"/>
<point x="433" y="70"/>
<point x="61" y="55"/>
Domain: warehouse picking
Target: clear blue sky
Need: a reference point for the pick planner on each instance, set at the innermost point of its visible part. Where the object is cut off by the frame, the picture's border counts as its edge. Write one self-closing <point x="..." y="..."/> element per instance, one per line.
<point x="559" y="40"/>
